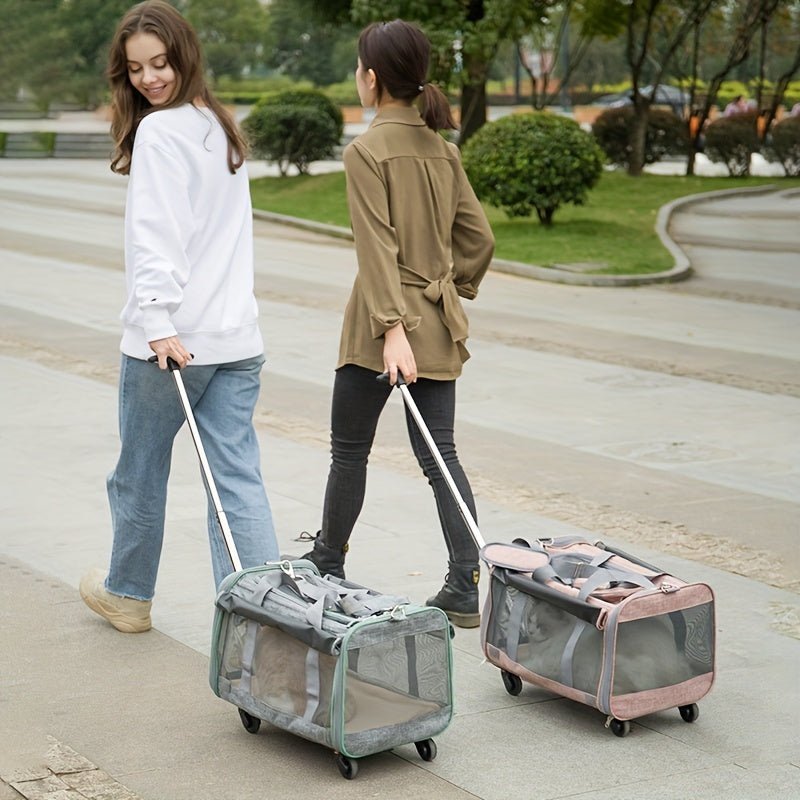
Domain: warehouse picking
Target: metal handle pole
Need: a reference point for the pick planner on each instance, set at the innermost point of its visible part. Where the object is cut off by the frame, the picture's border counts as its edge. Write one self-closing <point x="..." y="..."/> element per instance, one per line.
<point x="423" y="428"/>
<point x="205" y="468"/>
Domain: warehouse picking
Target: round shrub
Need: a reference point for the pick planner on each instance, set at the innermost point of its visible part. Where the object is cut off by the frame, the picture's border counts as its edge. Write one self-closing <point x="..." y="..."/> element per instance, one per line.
<point x="532" y="161"/>
<point x="786" y="144"/>
<point x="305" y="98"/>
<point x="666" y="135"/>
<point x="290" y="135"/>
<point x="733" y="140"/>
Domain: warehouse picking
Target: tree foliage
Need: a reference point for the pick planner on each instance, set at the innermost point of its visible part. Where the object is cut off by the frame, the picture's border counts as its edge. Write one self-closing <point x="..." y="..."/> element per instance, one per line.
<point x="305" y="46"/>
<point x="557" y="40"/>
<point x="54" y="50"/>
<point x="465" y="37"/>
<point x="232" y="33"/>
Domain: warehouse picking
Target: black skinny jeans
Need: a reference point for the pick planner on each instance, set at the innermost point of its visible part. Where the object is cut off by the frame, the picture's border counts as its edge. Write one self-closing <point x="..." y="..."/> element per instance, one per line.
<point x="358" y="399"/>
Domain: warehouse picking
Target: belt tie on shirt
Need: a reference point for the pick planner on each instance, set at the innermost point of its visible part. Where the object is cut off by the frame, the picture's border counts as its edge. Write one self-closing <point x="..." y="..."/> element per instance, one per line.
<point x="440" y="289"/>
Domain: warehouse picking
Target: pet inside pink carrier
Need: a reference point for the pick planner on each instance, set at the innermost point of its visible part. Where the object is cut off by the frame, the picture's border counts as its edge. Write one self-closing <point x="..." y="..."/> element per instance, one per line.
<point x="598" y="626"/>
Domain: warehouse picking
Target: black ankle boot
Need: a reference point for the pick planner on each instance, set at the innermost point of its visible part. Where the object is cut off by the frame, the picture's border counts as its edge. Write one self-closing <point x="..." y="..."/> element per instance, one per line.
<point x="328" y="560"/>
<point x="458" y="597"/>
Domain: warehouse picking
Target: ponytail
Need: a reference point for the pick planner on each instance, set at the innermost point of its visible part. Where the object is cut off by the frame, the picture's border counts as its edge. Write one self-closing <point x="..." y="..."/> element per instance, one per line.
<point x="436" y="109"/>
<point x="399" y="54"/>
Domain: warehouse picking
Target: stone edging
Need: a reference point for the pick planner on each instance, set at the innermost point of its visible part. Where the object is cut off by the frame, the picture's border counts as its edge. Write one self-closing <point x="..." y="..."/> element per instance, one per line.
<point x="681" y="270"/>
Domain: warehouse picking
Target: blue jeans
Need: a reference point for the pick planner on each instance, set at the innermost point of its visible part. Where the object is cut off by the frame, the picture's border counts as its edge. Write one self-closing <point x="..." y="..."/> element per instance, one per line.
<point x="223" y="397"/>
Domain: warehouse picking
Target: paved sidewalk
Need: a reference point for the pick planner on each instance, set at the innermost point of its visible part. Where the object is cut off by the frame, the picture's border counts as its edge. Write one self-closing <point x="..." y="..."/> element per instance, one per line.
<point x="664" y="420"/>
<point x="139" y="707"/>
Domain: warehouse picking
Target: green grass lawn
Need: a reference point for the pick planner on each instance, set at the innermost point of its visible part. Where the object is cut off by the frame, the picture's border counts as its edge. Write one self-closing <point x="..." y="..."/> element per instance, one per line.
<point x="615" y="229"/>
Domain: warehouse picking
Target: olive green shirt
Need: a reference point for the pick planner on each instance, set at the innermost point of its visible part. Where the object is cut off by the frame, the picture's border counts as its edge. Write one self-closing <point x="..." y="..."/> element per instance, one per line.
<point x="422" y="242"/>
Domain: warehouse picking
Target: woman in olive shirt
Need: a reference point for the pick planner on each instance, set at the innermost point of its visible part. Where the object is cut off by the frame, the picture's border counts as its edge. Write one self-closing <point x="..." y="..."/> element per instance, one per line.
<point x="422" y="242"/>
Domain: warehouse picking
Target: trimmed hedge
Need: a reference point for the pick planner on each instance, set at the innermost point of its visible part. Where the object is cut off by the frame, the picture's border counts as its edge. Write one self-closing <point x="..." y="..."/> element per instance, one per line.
<point x="532" y="161"/>
<point x="732" y="141"/>
<point x="305" y="98"/>
<point x="291" y="134"/>
<point x="786" y="144"/>
<point x="667" y="134"/>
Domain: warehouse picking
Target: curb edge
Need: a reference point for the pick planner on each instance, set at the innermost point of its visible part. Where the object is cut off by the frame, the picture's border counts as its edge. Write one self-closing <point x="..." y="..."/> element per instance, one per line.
<point x="680" y="271"/>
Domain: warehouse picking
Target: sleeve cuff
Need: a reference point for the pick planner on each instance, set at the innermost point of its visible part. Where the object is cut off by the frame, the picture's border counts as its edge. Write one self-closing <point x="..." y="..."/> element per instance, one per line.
<point x="379" y="326"/>
<point x="467" y="291"/>
<point x="157" y="323"/>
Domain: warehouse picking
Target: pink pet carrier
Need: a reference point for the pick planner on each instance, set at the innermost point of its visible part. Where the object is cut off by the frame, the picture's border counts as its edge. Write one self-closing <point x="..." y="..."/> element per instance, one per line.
<point x="591" y="623"/>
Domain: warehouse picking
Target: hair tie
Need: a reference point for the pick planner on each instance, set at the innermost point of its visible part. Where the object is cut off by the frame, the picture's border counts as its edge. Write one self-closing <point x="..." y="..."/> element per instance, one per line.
<point x="421" y="87"/>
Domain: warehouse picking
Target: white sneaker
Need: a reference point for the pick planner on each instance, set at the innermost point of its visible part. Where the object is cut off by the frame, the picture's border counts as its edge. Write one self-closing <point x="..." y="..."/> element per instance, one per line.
<point x="124" y="613"/>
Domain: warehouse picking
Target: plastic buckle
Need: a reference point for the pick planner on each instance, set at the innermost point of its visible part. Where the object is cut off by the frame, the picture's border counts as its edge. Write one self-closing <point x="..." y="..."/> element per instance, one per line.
<point x="398" y="613"/>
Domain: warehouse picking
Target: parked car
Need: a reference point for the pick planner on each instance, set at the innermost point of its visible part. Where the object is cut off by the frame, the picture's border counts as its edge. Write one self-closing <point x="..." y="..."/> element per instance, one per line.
<point x="672" y="96"/>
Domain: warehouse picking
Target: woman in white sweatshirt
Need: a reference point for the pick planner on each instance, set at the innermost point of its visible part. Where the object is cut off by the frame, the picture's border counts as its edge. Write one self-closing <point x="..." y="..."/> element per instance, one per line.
<point x="189" y="278"/>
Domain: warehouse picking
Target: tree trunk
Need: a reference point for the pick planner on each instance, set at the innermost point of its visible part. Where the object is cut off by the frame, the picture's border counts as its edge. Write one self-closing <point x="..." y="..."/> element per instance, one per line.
<point x="473" y="109"/>
<point x="638" y="135"/>
<point x="690" y="160"/>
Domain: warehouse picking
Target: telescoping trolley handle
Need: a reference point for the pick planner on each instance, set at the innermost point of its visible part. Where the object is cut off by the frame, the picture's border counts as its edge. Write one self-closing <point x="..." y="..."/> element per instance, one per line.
<point x="206" y="470"/>
<point x="451" y="484"/>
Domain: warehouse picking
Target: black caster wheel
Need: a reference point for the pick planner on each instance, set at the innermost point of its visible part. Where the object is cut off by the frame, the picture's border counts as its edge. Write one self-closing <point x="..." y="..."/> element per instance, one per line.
<point x="251" y="723"/>
<point x="689" y="713"/>
<point x="426" y="749"/>
<point x="620" y="727"/>
<point x="347" y="767"/>
<point x="513" y="683"/>
<point x="522" y="542"/>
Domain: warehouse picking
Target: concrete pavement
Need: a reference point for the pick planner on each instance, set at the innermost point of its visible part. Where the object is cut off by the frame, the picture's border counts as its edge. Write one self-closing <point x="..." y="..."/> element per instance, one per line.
<point x="663" y="419"/>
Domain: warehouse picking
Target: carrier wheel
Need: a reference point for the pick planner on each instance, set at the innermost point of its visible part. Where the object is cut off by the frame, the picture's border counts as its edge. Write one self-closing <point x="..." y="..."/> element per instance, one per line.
<point x="513" y="683"/>
<point x="426" y="749"/>
<point x="347" y="767"/>
<point x="620" y="727"/>
<point x="689" y="713"/>
<point x="522" y="542"/>
<point x="251" y="723"/>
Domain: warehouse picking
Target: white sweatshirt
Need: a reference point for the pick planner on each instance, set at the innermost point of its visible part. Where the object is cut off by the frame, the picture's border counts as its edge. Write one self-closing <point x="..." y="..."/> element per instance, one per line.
<point x="188" y="242"/>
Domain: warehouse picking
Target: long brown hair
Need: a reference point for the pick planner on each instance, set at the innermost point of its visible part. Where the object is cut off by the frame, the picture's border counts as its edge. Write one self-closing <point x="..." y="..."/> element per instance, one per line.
<point x="399" y="52"/>
<point x="184" y="55"/>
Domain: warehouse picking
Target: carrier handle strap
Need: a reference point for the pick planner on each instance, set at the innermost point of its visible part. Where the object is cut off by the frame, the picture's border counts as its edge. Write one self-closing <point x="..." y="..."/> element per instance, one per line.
<point x="606" y="575"/>
<point x="564" y="568"/>
<point x="601" y="558"/>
